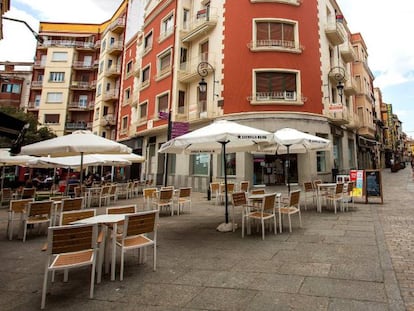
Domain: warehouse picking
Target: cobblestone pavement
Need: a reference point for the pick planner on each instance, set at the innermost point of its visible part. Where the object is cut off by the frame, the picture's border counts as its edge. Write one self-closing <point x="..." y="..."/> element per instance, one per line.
<point x="357" y="260"/>
<point x="397" y="221"/>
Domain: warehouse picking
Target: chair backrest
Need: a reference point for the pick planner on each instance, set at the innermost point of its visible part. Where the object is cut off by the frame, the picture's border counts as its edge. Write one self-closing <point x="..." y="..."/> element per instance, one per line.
<point x="316" y="182"/>
<point x="244" y="186"/>
<point x="105" y="190"/>
<point x="239" y="198"/>
<point x="268" y="202"/>
<point x="72" y="238"/>
<point x="140" y="223"/>
<point x="214" y="187"/>
<point x="294" y="198"/>
<point x="72" y="204"/>
<point x="70" y="216"/>
<point x="37" y="208"/>
<point x="19" y="206"/>
<point x="59" y="197"/>
<point x="258" y="191"/>
<point x="339" y="188"/>
<point x="6" y="194"/>
<point x="112" y="190"/>
<point x="126" y="209"/>
<point x="166" y="194"/>
<point x="28" y="193"/>
<point x="351" y="186"/>
<point x="79" y="191"/>
<point x="167" y="188"/>
<point x="308" y="186"/>
<point x="185" y="192"/>
<point x="148" y="193"/>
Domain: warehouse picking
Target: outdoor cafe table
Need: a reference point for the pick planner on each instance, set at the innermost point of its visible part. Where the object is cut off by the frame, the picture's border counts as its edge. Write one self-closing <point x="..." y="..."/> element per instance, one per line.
<point x="105" y="219"/>
<point x="323" y="187"/>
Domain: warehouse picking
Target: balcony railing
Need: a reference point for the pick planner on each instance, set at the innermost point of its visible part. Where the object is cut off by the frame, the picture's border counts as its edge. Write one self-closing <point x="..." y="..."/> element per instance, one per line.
<point x="112" y="71"/>
<point x="82" y="65"/>
<point x="37" y="84"/>
<point x="347" y="52"/>
<point x="273" y="96"/>
<point x="204" y="21"/>
<point x="80" y="125"/>
<point x="80" y="85"/>
<point x="188" y="70"/>
<point x="112" y="94"/>
<point x="79" y="105"/>
<point x="337" y="114"/>
<point x="278" y="45"/>
<point x="117" y="25"/>
<point x="115" y="48"/>
<point x="69" y="43"/>
<point x="33" y="105"/>
<point x="335" y="32"/>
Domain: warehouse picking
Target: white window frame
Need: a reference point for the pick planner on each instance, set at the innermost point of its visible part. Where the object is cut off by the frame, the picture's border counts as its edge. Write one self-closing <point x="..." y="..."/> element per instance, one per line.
<point x="296" y="48"/>
<point x="166" y="29"/>
<point x="162" y="73"/>
<point x="54" y="98"/>
<point x="142" y="118"/>
<point x="59" y="56"/>
<point x="55" y="76"/>
<point x="284" y="98"/>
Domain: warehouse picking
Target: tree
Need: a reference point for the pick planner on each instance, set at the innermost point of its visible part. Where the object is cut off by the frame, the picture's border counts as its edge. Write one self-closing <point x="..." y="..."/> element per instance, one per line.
<point x="33" y="133"/>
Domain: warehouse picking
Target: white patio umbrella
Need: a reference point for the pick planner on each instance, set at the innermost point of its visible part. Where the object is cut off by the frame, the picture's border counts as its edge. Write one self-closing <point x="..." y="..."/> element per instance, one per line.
<point x="220" y="136"/>
<point x="6" y="160"/>
<point x="75" y="161"/>
<point x="289" y="140"/>
<point x="77" y="143"/>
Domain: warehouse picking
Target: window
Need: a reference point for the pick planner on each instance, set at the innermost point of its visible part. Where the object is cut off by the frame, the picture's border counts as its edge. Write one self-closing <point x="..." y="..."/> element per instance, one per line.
<point x="59" y="56"/>
<point x="37" y="101"/>
<point x="129" y="67"/>
<point x="164" y="63"/>
<point x="321" y="157"/>
<point x="199" y="164"/>
<point x="52" y="118"/>
<point x="143" y="111"/>
<point x="83" y="101"/>
<point x="127" y="95"/>
<point x="183" y="58"/>
<point x="54" y="97"/>
<point x="163" y="103"/>
<point x="275" y="86"/>
<point x="204" y="52"/>
<point x="101" y="66"/>
<point x="186" y="18"/>
<point x="103" y="45"/>
<point x="97" y="113"/>
<point x="167" y="25"/>
<point x="56" y="77"/>
<point x="148" y="42"/>
<point x="109" y="63"/>
<point x="145" y="77"/>
<point x="10" y="88"/>
<point x="124" y="123"/>
<point x="181" y="102"/>
<point x="275" y="33"/>
<point x="202" y="103"/>
<point x="99" y="90"/>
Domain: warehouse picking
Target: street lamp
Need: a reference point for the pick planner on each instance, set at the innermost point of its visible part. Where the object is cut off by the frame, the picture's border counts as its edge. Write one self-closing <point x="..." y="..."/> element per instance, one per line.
<point x="202" y="70"/>
<point x="35" y="34"/>
<point x="338" y="74"/>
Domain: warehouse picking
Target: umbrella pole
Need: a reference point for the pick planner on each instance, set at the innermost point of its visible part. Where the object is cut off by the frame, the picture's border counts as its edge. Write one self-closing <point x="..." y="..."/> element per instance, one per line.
<point x="2" y="176"/>
<point x="288" y="168"/>
<point x="225" y="181"/>
<point x="81" y="171"/>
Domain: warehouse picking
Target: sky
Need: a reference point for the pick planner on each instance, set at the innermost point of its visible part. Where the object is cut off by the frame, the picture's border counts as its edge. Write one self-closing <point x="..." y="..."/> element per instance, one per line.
<point x="390" y="48"/>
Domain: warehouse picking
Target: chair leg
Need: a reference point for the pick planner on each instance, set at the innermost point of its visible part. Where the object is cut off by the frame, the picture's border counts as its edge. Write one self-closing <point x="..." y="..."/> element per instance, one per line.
<point x="155" y="257"/>
<point x="280" y="222"/>
<point x="290" y="223"/>
<point x="92" y="277"/>
<point x="121" y="276"/>
<point x="44" y="289"/>
<point x="263" y="229"/>
<point x="243" y="217"/>
<point x="24" y="232"/>
<point x="300" y="219"/>
<point x="274" y="222"/>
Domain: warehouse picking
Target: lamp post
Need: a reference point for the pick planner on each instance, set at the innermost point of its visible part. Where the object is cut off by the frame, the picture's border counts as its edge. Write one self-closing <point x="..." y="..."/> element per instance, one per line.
<point x="35" y="34"/>
<point x="203" y="71"/>
<point x="338" y="73"/>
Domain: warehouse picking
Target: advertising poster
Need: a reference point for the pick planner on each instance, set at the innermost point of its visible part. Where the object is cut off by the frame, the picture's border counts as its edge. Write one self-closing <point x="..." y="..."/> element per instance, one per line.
<point x="357" y="176"/>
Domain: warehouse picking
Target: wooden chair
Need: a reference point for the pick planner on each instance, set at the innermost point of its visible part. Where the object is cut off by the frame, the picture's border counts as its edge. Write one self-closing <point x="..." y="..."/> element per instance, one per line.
<point x="70" y="247"/>
<point x="6" y="196"/>
<point x="336" y="197"/>
<point x="105" y="196"/>
<point x="125" y="209"/>
<point x="266" y="212"/>
<point x="165" y="200"/>
<point x="28" y="193"/>
<point x="183" y="198"/>
<point x="291" y="207"/>
<point x="239" y="199"/>
<point x="222" y="192"/>
<point x="66" y="218"/>
<point x="348" y="195"/>
<point x="214" y="191"/>
<point x="122" y="190"/>
<point x="309" y="192"/>
<point x="112" y="193"/>
<point x="68" y="204"/>
<point x="149" y="195"/>
<point x="256" y="202"/>
<point x="16" y="208"/>
<point x="137" y="228"/>
<point x="244" y="186"/>
<point x="38" y="213"/>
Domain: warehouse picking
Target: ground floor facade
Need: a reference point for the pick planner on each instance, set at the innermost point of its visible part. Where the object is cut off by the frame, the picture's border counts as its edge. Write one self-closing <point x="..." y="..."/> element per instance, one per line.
<point x="270" y="169"/>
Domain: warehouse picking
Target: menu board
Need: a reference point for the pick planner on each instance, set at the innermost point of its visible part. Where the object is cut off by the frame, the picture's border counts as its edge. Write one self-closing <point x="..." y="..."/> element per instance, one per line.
<point x="373" y="184"/>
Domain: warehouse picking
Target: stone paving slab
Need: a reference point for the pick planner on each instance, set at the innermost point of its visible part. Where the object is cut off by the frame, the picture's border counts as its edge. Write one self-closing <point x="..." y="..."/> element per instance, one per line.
<point x="358" y="260"/>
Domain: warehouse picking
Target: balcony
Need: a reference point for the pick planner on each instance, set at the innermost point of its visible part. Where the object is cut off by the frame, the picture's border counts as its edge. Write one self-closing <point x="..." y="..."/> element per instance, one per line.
<point x="80" y="85"/>
<point x="354" y="122"/>
<point x="117" y="25"/>
<point x="73" y="126"/>
<point x="111" y="95"/>
<point x="33" y="106"/>
<point x="84" y="45"/>
<point x="107" y="120"/>
<point x="204" y="21"/>
<point x="115" y="48"/>
<point x="281" y="98"/>
<point x="276" y="45"/>
<point x="37" y="84"/>
<point x="337" y="114"/>
<point x="350" y="87"/>
<point x="112" y="72"/>
<point x="188" y="71"/>
<point x="335" y="32"/>
<point x="80" y="65"/>
<point x="347" y="52"/>
<point x="39" y="64"/>
<point x="75" y="106"/>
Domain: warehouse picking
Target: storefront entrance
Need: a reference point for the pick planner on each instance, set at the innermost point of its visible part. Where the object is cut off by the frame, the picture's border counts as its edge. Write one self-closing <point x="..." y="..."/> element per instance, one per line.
<point x="272" y="169"/>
